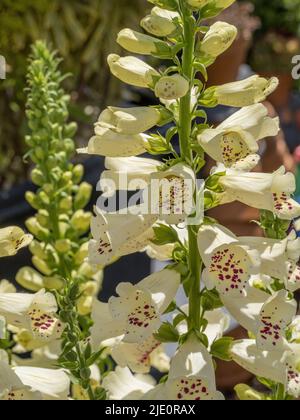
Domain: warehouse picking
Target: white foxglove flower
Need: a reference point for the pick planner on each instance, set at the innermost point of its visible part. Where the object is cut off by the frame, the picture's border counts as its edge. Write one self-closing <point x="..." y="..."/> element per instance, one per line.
<point x="161" y="22"/>
<point x="273" y="365"/>
<point x="7" y="287"/>
<point x="294" y="330"/>
<point x="30" y="383"/>
<point x="262" y="191"/>
<point x="139" y="43"/>
<point x="171" y="87"/>
<point x="191" y="376"/>
<point x="107" y="142"/>
<point x="229" y="263"/>
<point x="217" y="40"/>
<point x="130" y="120"/>
<point x="292" y="279"/>
<point x="12" y="239"/>
<point x="246" y="92"/>
<point x="123" y="385"/>
<point x="36" y="313"/>
<point x="116" y="235"/>
<point x="139" y="357"/>
<point x="234" y="142"/>
<point x="130" y="174"/>
<point x="136" y="313"/>
<point x="131" y="70"/>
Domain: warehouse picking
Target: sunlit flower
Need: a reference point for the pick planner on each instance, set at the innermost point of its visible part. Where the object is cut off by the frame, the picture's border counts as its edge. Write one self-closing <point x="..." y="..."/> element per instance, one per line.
<point x="229" y="263"/>
<point x="139" y="43"/>
<point x="12" y="239"/>
<point x="282" y="368"/>
<point x="131" y="70"/>
<point x="191" y="376"/>
<point x="35" y="313"/>
<point x="130" y="120"/>
<point x="30" y="383"/>
<point x="160" y="22"/>
<point x="217" y="40"/>
<point x="234" y="142"/>
<point x="243" y="93"/>
<point x="260" y="190"/>
<point x="123" y="385"/>
<point x="136" y="313"/>
<point x="171" y="87"/>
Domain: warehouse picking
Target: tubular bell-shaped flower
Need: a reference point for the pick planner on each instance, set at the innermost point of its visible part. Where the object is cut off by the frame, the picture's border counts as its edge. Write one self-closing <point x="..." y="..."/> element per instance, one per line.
<point x="234" y="142"/>
<point x="229" y="263"/>
<point x="161" y="22"/>
<point x="259" y="190"/>
<point x="34" y="312"/>
<point x="30" y="383"/>
<point x="136" y="313"/>
<point x="217" y="40"/>
<point x="171" y="87"/>
<point x="139" y="43"/>
<point x="218" y="4"/>
<point x="243" y="93"/>
<point x="191" y="376"/>
<point x="12" y="239"/>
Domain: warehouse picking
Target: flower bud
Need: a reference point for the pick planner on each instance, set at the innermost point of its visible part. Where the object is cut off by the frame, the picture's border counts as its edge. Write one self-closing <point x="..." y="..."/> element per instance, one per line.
<point x="53" y="283"/>
<point x="66" y="204"/>
<point x="81" y="220"/>
<point x="171" y="87"/>
<point x="161" y="22"/>
<point x="217" y="40"/>
<point x="30" y="279"/>
<point x="246" y="393"/>
<point x="42" y="266"/>
<point x="44" y="197"/>
<point x="131" y="70"/>
<point x="82" y="253"/>
<point x="83" y="195"/>
<point x="70" y="129"/>
<point x="217" y="4"/>
<point x="37" y="177"/>
<point x="246" y="92"/>
<point x="78" y="172"/>
<point x="32" y="199"/>
<point x="138" y="43"/>
<point x="36" y="229"/>
<point x="38" y="249"/>
<point x="130" y="120"/>
<point x="43" y="218"/>
<point x="63" y="246"/>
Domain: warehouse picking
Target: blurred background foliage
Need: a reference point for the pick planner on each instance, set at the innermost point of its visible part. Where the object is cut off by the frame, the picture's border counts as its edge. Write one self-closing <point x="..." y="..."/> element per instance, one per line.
<point x="84" y="32"/>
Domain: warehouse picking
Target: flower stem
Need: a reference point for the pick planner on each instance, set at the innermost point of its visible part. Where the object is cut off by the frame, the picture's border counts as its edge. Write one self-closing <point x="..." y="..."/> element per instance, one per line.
<point x="185" y="130"/>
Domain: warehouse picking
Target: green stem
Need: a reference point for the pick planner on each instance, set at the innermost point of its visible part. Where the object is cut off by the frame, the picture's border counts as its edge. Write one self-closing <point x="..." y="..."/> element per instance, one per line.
<point x="185" y="130"/>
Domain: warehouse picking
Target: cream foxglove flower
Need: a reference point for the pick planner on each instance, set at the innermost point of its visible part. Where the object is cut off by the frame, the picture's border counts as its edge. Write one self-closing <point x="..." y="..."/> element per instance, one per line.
<point x="116" y="235"/>
<point x="131" y="70"/>
<point x="171" y="87"/>
<point x="123" y="385"/>
<point x="36" y="313"/>
<point x="243" y="93"/>
<point x="218" y="4"/>
<point x="139" y="43"/>
<point x="217" y="40"/>
<point x="140" y="357"/>
<point x="107" y="142"/>
<point x="229" y="263"/>
<point x="279" y="367"/>
<point x="260" y="190"/>
<point x="234" y="142"/>
<point x="130" y="120"/>
<point x="161" y="22"/>
<point x="30" y="383"/>
<point x="12" y="239"/>
<point x="136" y="313"/>
<point x="7" y="287"/>
<point x="191" y="376"/>
<point x="130" y="174"/>
<point x="294" y="330"/>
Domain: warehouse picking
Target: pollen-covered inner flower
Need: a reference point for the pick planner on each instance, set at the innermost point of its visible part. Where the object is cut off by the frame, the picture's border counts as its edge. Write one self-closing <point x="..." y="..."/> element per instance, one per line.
<point x="233" y="148"/>
<point x="230" y="266"/>
<point x="190" y="389"/>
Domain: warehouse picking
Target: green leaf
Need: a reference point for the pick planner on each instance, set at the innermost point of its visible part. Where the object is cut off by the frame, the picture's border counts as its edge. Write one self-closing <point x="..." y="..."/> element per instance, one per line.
<point x="164" y="235"/>
<point x="221" y="348"/>
<point x="167" y="333"/>
<point x="178" y="319"/>
<point x="93" y="359"/>
<point x="171" y="308"/>
<point x="210" y="300"/>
